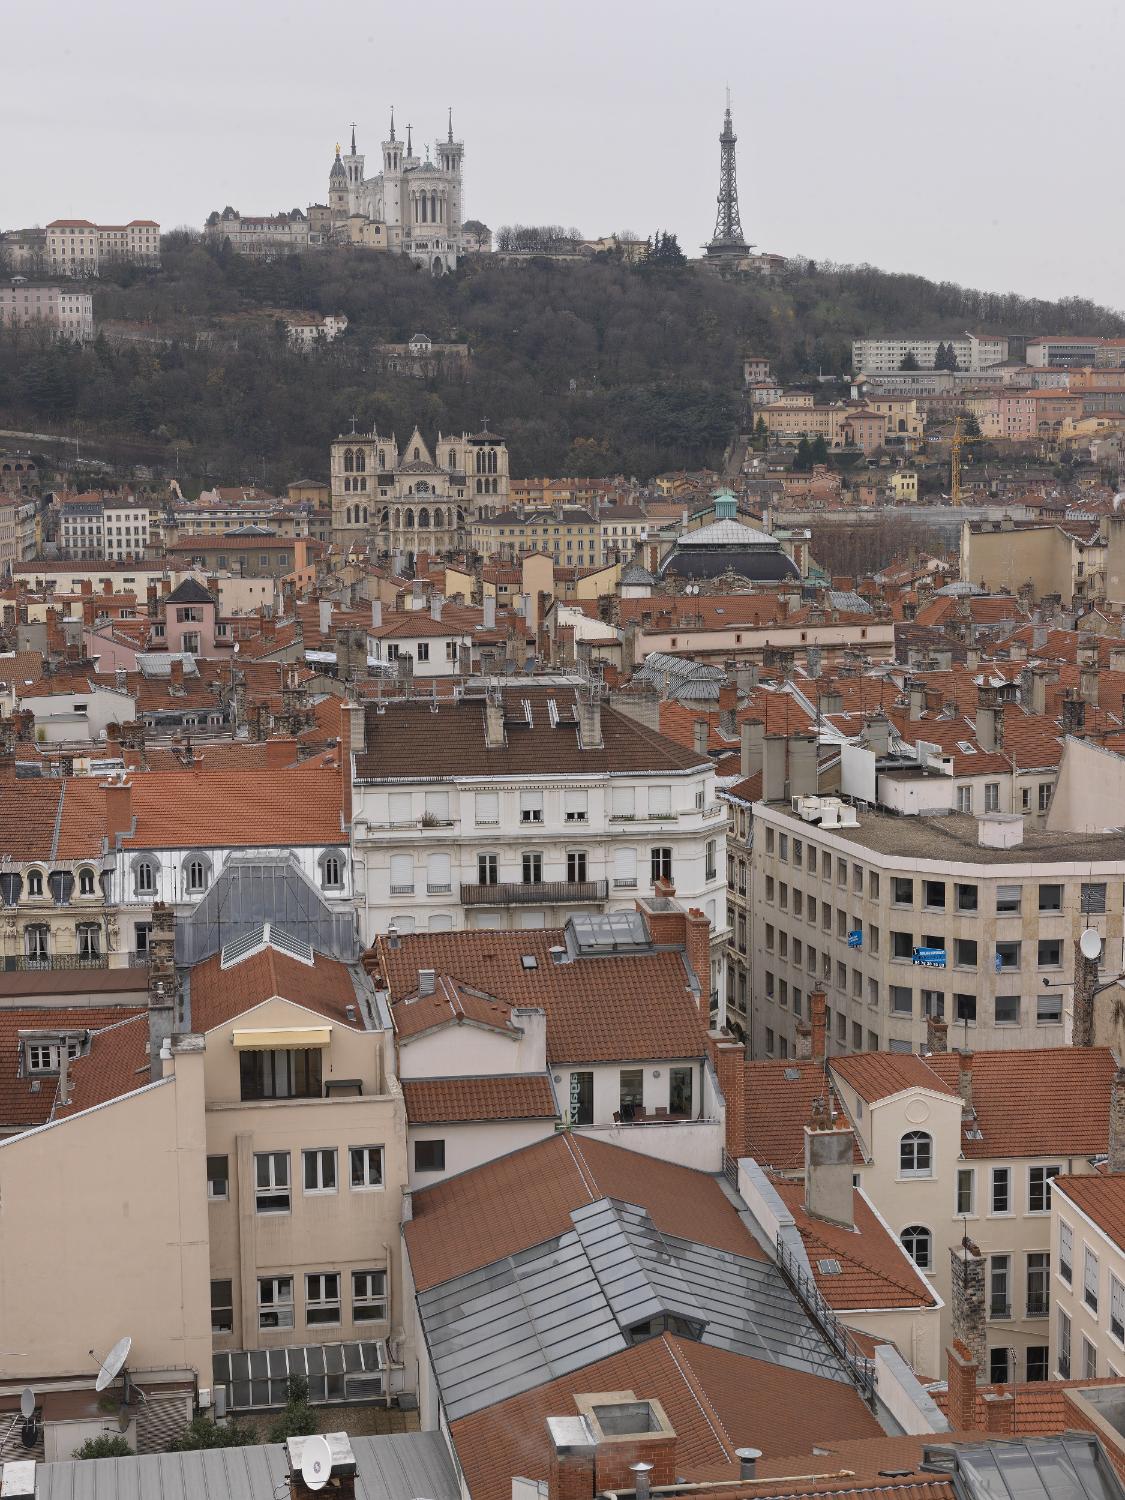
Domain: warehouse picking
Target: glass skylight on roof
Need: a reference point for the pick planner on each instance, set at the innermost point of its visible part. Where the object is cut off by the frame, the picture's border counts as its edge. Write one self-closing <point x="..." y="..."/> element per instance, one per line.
<point x="609" y="932"/>
<point x="258" y="939"/>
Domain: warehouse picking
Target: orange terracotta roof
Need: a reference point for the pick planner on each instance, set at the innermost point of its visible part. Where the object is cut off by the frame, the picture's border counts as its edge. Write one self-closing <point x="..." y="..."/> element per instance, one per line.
<point x="285" y="806"/>
<point x="26" y="1101"/>
<point x="778" y="1099"/>
<point x="880" y="1075"/>
<point x="218" y="995"/>
<point x="452" y="1003"/>
<point x="612" y="1009"/>
<point x="28" y="812"/>
<point x="1051" y="1101"/>
<point x="520" y="1200"/>
<point x="116" y="1064"/>
<point x="874" y="1270"/>
<point x="515" y="1096"/>
<point x="715" y="1400"/>
<point x="1101" y="1197"/>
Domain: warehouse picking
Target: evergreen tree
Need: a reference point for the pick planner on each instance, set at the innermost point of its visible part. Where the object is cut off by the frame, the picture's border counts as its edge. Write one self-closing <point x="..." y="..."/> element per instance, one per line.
<point x="202" y="1432"/>
<point x="818" y="453"/>
<point x="909" y="361"/>
<point x="803" y="462"/>
<point x="106" y="1445"/>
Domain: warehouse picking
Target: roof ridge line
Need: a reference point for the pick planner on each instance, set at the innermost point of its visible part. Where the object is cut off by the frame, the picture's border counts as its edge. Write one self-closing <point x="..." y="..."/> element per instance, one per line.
<point x="585" y="1171"/>
<point x="695" y="1386"/>
<point x="58" y="822"/>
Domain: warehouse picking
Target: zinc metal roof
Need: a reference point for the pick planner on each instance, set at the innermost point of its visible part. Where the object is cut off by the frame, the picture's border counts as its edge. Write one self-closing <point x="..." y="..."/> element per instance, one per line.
<point x="593" y="1291"/>
<point x="1072" y="1466"/>
<point x="398" y="1466"/>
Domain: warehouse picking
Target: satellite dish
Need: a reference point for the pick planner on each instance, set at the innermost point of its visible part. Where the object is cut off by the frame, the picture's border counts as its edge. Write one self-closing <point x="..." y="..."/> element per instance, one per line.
<point x="1090" y="943"/>
<point x="316" y="1462"/>
<point x="113" y="1363"/>
<point x="27" y="1402"/>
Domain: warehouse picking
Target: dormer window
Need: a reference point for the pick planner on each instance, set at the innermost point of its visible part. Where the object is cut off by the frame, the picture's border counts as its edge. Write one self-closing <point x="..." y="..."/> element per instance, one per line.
<point x="144" y="877"/>
<point x="197" y="874"/>
<point x="86" y="885"/>
<point x="44" y="1056"/>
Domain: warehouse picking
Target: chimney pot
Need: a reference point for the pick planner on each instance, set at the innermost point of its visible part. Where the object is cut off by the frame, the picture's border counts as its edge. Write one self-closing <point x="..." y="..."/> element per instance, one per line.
<point x="747" y="1462"/>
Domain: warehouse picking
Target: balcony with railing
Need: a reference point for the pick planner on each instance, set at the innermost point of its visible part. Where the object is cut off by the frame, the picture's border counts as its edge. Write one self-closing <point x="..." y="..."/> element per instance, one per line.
<point x="533" y="892"/>
<point x="30" y="963"/>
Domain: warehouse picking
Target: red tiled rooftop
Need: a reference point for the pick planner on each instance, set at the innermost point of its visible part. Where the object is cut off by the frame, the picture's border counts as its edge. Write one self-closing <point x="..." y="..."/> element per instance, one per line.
<point x="520" y="1200"/>
<point x="440" y="1101"/>
<point x="219" y="995"/>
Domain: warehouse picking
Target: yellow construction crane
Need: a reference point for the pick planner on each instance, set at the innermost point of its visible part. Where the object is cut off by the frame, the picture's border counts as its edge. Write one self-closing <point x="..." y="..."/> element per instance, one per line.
<point x="960" y="438"/>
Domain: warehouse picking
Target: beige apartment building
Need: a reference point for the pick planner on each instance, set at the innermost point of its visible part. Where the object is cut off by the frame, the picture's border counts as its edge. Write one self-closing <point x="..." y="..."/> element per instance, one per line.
<point x="70" y="314"/>
<point x="904" y="918"/>
<point x="1088" y="1258"/>
<point x="569" y="534"/>
<point x="75" y="247"/>
<point x="1064" y="558"/>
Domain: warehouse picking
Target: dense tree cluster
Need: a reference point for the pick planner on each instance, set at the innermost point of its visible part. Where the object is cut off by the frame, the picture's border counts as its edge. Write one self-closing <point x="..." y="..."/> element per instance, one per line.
<point x="593" y="368"/>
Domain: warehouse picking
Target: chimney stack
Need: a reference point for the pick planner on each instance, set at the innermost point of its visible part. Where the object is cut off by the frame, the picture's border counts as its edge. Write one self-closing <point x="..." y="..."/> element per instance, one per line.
<point x="962" y="1370"/>
<point x="376" y="614"/>
<point x="728" y="704"/>
<point x="162" y="988"/>
<point x="589" y="705"/>
<point x="967" y="1298"/>
<point x="917" y="691"/>
<point x="937" y="1034"/>
<point x="118" y="808"/>
<point x="753" y="733"/>
<point x="803" y="1050"/>
<point x="828" y="1174"/>
<point x="436" y="602"/>
<point x="1116" y="1161"/>
<point x="1085" y="980"/>
<point x="700" y="734"/>
<point x="748" y="1462"/>
<point x="489" y="607"/>
<point x="775" y="750"/>
<point x="818" y="1015"/>
<point x="494" y="737"/>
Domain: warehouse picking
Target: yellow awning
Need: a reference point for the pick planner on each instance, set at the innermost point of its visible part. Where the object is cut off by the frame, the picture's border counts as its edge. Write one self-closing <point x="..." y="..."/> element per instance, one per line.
<point x="283" y="1036"/>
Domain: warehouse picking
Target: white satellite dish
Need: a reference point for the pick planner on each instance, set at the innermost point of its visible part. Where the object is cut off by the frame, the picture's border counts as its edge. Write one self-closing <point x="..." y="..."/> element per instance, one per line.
<point x="27" y="1402"/>
<point x="113" y="1363"/>
<point x="1090" y="943"/>
<point x="316" y="1462"/>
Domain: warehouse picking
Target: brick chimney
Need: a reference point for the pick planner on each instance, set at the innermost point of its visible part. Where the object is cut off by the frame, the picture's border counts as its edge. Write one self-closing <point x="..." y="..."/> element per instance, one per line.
<point x="728" y="704"/>
<point x="1000" y="1412"/>
<point x="730" y="1066"/>
<point x="965" y="1079"/>
<point x="697" y="942"/>
<point x="961" y="1371"/>
<point x="818" y="1015"/>
<point x="1085" y="981"/>
<point x="967" y="1298"/>
<point x="118" y="808"/>
<point x="1116" y="1161"/>
<point x="597" y="1450"/>
<point x="937" y="1034"/>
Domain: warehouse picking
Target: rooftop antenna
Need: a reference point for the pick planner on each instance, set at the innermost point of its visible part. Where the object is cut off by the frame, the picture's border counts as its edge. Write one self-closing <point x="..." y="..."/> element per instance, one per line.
<point x="316" y="1462"/>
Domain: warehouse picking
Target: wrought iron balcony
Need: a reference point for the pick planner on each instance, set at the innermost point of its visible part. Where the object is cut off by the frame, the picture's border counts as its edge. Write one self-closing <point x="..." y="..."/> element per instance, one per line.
<point x="533" y="892"/>
<point x="25" y="963"/>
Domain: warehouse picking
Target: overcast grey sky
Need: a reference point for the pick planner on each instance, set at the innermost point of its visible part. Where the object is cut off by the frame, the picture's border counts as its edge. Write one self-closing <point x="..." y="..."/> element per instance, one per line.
<point x="974" y="141"/>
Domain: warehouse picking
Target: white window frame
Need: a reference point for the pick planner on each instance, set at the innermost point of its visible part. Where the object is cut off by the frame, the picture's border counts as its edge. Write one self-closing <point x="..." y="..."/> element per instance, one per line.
<point x="1091" y="1278"/>
<point x="321" y="1298"/>
<point x="277" y="1305"/>
<point x="486" y="809"/>
<point x="365" y="1161"/>
<point x="576" y="805"/>
<point x="915" y="1139"/>
<point x="1048" y="1173"/>
<point x="275" y="1186"/>
<point x="1116" y="1309"/>
<point x="998" y="1175"/>
<point x="1066" y="1253"/>
<point x="971" y="1174"/>
<point x="319" y="1156"/>
<point x="531" y="806"/>
<point x="224" y="1196"/>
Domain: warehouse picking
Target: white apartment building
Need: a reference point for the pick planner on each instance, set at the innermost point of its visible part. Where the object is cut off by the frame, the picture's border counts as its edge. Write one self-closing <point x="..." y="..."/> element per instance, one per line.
<point x="901" y="918"/>
<point x="522" y="807"/>
<point x="307" y="332"/>
<point x="1046" y="352"/>
<point x="125" y="526"/>
<point x="109" y="528"/>
<point x="68" y="313"/>
<point x="75" y="247"/>
<point x="882" y="356"/>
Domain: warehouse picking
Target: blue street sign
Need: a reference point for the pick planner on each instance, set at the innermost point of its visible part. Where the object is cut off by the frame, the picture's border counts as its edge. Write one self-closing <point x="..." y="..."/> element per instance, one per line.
<point x="930" y="958"/>
<point x="855" y="939"/>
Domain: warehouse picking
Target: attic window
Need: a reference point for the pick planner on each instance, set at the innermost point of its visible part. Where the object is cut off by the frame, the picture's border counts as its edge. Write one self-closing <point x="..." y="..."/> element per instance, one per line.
<point x="966" y="747"/>
<point x="529" y="961"/>
<point x="829" y="1267"/>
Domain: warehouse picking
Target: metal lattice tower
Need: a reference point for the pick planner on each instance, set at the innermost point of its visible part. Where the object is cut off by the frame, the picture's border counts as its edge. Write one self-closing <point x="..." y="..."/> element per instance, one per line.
<point x="728" y="238"/>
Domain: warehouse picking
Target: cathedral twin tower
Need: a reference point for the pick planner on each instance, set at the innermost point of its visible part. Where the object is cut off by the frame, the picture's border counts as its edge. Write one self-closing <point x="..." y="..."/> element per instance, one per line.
<point x="412" y="207"/>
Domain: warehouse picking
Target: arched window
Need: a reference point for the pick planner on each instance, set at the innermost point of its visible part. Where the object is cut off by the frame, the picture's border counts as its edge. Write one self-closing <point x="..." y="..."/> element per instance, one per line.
<point x="332" y="870"/>
<point x="360" y="461"/>
<point x="916" y="1155"/>
<point x="480" y="486"/>
<point x="347" y="515"/>
<point x="480" y="461"/>
<point x="492" y="460"/>
<point x="433" y="207"/>
<point x="417" y="455"/>
<point x="384" y="517"/>
<point x="144" y="877"/>
<point x="85" y="882"/>
<point x="349" y="460"/>
<point x="439" y="518"/>
<point x="197" y="874"/>
<point x="452" y="458"/>
<point x="918" y="1243"/>
<point x="382" y="458"/>
<point x="35" y="883"/>
<point x="409" y="518"/>
<point x="424" y="517"/>
<point x="398" y="517"/>
<point x="365" y="512"/>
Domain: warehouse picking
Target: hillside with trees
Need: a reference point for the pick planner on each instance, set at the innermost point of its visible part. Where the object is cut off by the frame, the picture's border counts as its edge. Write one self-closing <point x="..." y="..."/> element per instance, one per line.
<point x="593" y="368"/>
